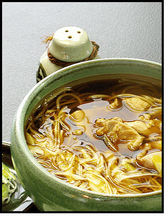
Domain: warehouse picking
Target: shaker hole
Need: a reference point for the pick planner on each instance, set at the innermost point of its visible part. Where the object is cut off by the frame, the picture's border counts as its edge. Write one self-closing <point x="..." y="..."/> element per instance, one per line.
<point x="66" y="31"/>
<point x="69" y="37"/>
<point x="78" y="32"/>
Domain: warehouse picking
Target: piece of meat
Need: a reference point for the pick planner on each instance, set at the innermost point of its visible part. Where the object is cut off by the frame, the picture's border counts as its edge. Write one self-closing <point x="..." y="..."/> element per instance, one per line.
<point x="140" y="126"/>
<point x="156" y="144"/>
<point x="155" y="114"/>
<point x="137" y="104"/>
<point x="151" y="161"/>
<point x="145" y="128"/>
<point x="117" y="130"/>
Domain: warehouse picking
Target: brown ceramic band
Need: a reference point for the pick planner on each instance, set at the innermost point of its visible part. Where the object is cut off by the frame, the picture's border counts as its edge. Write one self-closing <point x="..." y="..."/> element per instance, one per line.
<point x="64" y="64"/>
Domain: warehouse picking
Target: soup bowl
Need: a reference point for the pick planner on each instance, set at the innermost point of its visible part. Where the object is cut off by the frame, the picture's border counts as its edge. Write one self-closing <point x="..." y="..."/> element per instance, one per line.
<point x="47" y="191"/>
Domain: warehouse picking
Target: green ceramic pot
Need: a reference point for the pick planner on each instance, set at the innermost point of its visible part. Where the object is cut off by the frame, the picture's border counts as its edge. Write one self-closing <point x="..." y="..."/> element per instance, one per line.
<point x="52" y="194"/>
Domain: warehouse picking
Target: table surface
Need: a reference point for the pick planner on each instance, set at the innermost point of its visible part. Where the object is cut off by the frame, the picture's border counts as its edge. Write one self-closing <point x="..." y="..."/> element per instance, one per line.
<point x="121" y="29"/>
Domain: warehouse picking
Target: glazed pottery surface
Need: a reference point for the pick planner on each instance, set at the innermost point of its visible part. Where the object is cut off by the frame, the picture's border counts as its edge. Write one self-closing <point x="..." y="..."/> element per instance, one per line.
<point x="70" y="44"/>
<point x="50" y="193"/>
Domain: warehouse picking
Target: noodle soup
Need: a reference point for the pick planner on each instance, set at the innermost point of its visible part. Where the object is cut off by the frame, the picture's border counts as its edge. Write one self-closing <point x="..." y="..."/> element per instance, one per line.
<point x="102" y="136"/>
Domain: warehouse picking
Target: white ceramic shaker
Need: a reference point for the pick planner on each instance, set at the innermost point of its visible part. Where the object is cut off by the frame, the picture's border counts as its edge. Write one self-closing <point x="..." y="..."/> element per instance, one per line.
<point x="69" y="45"/>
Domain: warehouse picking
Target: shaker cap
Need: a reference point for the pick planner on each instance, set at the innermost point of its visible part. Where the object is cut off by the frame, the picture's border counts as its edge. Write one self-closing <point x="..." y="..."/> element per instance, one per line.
<point x="70" y="44"/>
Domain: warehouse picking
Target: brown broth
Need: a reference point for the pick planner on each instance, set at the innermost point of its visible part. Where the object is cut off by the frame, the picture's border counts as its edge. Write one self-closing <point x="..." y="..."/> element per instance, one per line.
<point x="95" y="108"/>
<point x="98" y="108"/>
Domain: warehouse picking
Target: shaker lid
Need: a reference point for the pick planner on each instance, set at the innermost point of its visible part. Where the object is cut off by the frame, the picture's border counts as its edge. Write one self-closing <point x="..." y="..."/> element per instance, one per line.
<point x="70" y="44"/>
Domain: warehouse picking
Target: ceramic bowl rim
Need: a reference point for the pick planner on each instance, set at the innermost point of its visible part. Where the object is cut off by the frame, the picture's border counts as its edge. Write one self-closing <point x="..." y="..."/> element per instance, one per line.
<point x="20" y="117"/>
